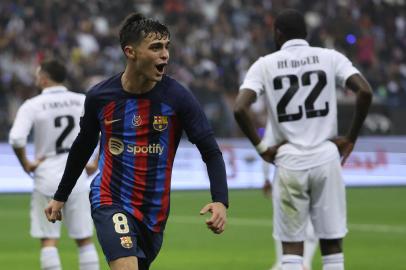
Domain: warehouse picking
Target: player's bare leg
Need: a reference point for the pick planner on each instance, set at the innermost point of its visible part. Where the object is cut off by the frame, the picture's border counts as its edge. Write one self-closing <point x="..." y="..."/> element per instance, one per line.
<point x="49" y="258"/>
<point x="88" y="258"/>
<point x="125" y="263"/>
<point x="332" y="252"/>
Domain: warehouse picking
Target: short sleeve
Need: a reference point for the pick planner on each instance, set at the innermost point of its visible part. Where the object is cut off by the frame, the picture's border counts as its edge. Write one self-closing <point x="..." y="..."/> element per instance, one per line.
<point x="343" y="68"/>
<point x="22" y="125"/>
<point x="254" y="78"/>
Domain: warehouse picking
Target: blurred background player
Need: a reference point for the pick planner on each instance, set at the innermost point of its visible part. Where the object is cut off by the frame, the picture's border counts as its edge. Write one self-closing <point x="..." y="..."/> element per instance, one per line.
<point x="310" y="243"/>
<point x="141" y="114"/>
<point x="54" y="117"/>
<point x="299" y="83"/>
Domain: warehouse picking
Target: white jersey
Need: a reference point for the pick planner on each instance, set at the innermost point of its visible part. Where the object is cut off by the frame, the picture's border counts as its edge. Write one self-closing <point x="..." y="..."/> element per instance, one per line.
<point x="299" y="83"/>
<point x="54" y="116"/>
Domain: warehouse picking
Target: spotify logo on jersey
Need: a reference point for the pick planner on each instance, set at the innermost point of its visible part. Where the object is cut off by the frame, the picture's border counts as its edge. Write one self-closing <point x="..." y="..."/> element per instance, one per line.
<point x="116" y="146"/>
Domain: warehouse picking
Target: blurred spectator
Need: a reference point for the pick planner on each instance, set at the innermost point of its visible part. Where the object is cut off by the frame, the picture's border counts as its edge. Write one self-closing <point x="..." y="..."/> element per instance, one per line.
<point x="214" y="41"/>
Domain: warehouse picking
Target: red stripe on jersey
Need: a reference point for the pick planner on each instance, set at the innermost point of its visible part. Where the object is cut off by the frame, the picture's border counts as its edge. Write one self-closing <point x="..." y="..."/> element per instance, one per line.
<point x="141" y="159"/>
<point x="105" y="192"/>
<point x="163" y="212"/>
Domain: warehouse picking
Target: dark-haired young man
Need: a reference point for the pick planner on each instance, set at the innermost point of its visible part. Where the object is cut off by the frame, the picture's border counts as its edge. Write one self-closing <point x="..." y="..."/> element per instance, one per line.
<point x="299" y="85"/>
<point x="141" y="114"/>
<point x="54" y="117"/>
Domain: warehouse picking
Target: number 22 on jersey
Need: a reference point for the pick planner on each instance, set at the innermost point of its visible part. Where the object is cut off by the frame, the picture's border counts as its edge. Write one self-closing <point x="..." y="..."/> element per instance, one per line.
<point x="294" y="85"/>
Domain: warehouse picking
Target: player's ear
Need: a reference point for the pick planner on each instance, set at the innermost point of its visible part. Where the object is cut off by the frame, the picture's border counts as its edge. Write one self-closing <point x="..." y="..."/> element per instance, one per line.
<point x="279" y="38"/>
<point x="129" y="51"/>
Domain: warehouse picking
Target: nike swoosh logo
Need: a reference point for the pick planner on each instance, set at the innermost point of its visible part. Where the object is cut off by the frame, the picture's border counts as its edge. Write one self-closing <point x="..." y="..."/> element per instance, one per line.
<point x="108" y="122"/>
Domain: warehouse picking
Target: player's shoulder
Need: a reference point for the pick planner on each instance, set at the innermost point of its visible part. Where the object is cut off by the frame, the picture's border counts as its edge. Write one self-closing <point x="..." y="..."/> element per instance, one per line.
<point x="175" y="94"/>
<point x="107" y="85"/>
<point x="328" y="53"/>
<point x="30" y="103"/>
<point x="76" y="95"/>
<point x="173" y="87"/>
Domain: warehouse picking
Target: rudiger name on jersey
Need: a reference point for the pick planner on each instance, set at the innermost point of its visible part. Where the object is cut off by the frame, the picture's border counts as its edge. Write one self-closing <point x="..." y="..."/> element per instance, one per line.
<point x="309" y="60"/>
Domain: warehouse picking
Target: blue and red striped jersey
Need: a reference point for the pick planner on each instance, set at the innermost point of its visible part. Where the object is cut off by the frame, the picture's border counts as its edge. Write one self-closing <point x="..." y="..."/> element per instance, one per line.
<point x="139" y="137"/>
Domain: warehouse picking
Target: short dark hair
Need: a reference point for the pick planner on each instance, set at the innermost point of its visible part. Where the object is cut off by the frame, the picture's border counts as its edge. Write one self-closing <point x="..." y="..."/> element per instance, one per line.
<point x="291" y="24"/>
<point x="54" y="69"/>
<point x="136" y="27"/>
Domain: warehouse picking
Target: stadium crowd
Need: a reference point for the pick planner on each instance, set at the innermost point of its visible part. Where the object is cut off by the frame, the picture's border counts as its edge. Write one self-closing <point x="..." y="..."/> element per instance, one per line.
<point x="213" y="44"/>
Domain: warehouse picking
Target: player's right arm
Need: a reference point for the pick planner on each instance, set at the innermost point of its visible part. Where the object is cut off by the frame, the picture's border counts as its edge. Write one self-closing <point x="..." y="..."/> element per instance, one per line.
<point x="252" y="87"/>
<point x="245" y="99"/>
<point x="80" y="152"/>
<point x="18" y="136"/>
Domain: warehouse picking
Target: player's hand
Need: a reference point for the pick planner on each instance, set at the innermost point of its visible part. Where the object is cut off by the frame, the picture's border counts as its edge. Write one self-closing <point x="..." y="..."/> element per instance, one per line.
<point x="270" y="153"/>
<point x="30" y="167"/>
<point x="91" y="168"/>
<point x="267" y="189"/>
<point x="345" y="147"/>
<point x="217" y="221"/>
<point x="53" y="210"/>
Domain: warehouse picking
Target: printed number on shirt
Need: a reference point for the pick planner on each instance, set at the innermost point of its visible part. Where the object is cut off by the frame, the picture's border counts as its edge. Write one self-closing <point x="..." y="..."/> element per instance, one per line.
<point x="310" y="99"/>
<point x="120" y="223"/>
<point x="68" y="124"/>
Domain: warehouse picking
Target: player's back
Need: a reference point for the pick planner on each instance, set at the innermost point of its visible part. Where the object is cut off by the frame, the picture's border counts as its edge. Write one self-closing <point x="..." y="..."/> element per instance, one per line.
<point x="56" y="121"/>
<point x="300" y="85"/>
<point x="54" y="118"/>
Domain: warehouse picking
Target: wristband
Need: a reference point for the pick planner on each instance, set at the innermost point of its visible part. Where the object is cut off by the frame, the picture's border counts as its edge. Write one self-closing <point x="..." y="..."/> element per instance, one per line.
<point x="261" y="147"/>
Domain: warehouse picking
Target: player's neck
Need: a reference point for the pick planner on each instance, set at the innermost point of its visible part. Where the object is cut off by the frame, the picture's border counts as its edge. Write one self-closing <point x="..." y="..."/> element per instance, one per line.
<point x="50" y="84"/>
<point x="135" y="83"/>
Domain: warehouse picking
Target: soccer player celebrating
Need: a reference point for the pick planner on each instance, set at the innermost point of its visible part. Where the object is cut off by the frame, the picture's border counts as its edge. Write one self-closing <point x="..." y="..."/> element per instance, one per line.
<point x="54" y="116"/>
<point x="141" y="114"/>
<point x="299" y="83"/>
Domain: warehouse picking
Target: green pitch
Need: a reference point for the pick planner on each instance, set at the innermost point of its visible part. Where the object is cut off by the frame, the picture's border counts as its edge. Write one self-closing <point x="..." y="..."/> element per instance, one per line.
<point x="377" y="238"/>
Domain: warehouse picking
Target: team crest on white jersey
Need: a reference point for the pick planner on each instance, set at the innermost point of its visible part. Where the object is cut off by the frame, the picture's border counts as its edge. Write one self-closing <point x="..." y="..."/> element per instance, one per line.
<point x="137" y="121"/>
<point x="160" y="122"/>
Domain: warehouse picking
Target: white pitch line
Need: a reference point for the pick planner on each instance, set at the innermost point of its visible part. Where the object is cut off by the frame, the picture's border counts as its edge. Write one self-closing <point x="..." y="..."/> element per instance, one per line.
<point x="378" y="228"/>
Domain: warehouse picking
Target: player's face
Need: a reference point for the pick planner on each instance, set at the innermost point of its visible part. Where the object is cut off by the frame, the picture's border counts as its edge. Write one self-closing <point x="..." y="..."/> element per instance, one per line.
<point x="152" y="56"/>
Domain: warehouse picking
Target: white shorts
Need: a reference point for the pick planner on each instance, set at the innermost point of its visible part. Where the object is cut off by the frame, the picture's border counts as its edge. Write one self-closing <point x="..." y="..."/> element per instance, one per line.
<point x="75" y="213"/>
<point x="318" y="193"/>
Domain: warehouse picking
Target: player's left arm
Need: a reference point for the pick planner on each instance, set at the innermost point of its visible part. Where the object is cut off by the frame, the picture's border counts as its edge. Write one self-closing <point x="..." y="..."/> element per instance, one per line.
<point x="347" y="75"/>
<point x="213" y="158"/>
<point x="200" y="133"/>
<point x="363" y="92"/>
<point x="79" y="154"/>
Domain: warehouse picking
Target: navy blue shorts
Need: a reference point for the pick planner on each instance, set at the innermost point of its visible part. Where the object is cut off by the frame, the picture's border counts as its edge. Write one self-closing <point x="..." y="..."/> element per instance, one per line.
<point x="121" y="235"/>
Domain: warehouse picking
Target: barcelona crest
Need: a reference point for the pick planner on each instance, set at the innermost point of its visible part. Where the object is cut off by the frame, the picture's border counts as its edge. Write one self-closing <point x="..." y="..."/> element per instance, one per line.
<point x="160" y="122"/>
<point x="126" y="242"/>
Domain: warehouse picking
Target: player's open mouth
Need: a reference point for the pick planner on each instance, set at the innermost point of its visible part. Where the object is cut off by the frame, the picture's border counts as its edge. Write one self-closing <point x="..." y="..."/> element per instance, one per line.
<point x="160" y="67"/>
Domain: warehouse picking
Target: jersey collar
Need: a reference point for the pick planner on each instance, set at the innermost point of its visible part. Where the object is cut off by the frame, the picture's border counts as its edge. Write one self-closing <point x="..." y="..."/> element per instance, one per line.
<point x="54" y="89"/>
<point x="294" y="43"/>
